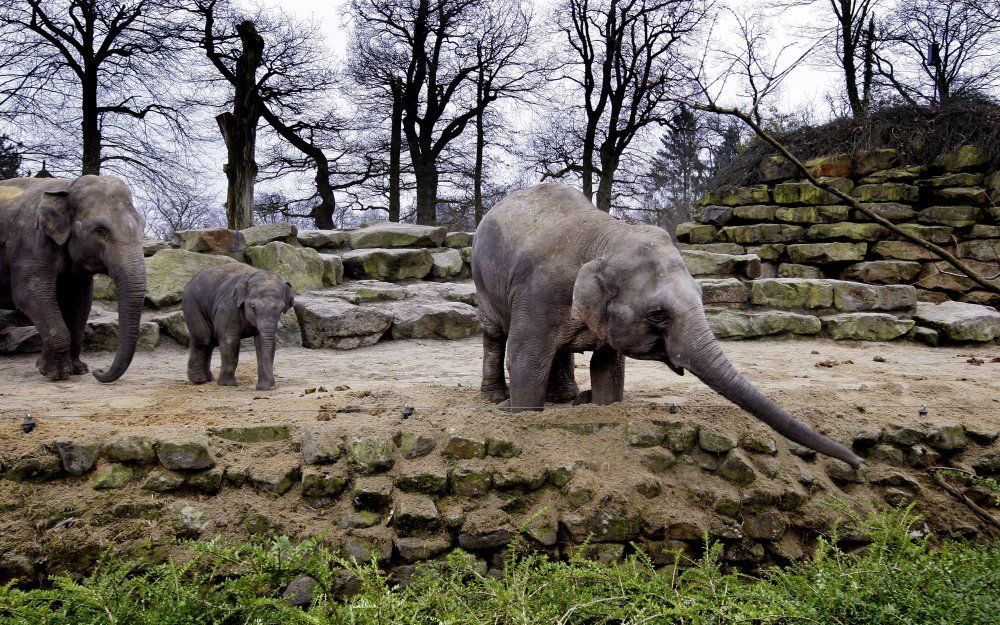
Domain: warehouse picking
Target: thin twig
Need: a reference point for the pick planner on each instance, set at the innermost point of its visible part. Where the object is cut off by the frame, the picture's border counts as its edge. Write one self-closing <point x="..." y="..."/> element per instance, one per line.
<point x="961" y="496"/>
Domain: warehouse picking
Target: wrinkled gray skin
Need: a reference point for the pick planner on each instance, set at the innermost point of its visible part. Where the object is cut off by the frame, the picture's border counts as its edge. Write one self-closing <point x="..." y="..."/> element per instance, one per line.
<point x="227" y="303"/>
<point x="556" y="276"/>
<point x="55" y="235"/>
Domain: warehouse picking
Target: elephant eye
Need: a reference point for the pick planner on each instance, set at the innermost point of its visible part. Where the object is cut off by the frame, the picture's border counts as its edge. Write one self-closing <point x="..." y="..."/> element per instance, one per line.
<point x="658" y="317"/>
<point x="101" y="231"/>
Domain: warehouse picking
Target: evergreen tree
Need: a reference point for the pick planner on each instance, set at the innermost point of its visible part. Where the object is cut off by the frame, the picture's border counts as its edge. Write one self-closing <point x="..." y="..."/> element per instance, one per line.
<point x="678" y="172"/>
<point x="10" y="158"/>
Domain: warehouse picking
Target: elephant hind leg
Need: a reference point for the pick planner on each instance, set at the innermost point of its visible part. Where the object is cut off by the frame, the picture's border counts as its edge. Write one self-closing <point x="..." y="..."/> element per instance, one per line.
<point x="199" y="347"/>
<point x="562" y="381"/>
<point x="494" y="386"/>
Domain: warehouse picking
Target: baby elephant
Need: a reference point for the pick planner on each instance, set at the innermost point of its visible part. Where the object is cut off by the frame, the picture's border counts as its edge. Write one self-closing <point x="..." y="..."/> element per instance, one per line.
<point x="226" y="303"/>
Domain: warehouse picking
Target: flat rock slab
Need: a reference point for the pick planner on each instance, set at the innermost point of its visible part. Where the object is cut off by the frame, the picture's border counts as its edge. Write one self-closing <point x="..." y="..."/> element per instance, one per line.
<point x="459" y="239"/>
<point x="264" y="234"/>
<point x="169" y="271"/>
<point x="366" y="292"/>
<point x="99" y="335"/>
<point x="392" y="235"/>
<point x="866" y="326"/>
<point x="464" y="292"/>
<point x="301" y="267"/>
<point x="960" y="321"/>
<point x="387" y="264"/>
<point x="447" y="263"/>
<point x="710" y="264"/>
<point x="739" y="324"/>
<point x="723" y="291"/>
<point x="212" y="241"/>
<point x="324" y="239"/>
<point x="328" y="322"/>
<point x="444" y="320"/>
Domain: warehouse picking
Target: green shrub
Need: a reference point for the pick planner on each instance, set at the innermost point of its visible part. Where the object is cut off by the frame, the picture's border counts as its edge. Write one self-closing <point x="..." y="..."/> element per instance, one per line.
<point x="898" y="579"/>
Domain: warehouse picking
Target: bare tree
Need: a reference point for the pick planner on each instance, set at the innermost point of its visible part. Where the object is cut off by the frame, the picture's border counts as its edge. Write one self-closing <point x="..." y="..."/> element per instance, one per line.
<point x="102" y="65"/>
<point x="624" y="60"/>
<point x="182" y="206"/>
<point x="439" y="51"/>
<point x="940" y="50"/>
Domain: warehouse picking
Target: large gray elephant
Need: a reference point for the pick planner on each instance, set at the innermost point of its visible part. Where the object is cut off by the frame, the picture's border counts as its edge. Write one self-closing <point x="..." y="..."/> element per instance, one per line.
<point x="226" y="303"/>
<point x="556" y="276"/>
<point x="55" y="234"/>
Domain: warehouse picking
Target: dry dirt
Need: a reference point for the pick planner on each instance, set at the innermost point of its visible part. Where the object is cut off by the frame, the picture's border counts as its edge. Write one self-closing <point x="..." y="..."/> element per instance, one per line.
<point x="837" y="387"/>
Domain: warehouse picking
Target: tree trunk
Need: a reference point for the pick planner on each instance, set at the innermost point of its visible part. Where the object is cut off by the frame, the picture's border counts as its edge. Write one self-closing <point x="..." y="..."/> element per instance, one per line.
<point x="323" y="213"/>
<point x="609" y="165"/>
<point x="427" y="182"/>
<point x="477" y="174"/>
<point x="90" y="124"/>
<point x="589" y="138"/>
<point x="849" y="49"/>
<point x="239" y="131"/>
<point x="395" y="148"/>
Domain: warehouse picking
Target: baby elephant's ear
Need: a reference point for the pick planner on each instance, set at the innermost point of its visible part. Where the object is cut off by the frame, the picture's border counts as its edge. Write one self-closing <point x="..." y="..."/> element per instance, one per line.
<point x="289" y="296"/>
<point x="240" y="291"/>
<point x="591" y="296"/>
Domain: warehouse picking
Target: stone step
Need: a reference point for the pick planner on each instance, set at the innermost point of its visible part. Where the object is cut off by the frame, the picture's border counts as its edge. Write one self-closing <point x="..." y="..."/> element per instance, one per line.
<point x="387" y="264"/>
<point x="397" y="235"/>
<point x="705" y="264"/>
<point x="100" y="335"/>
<point x="959" y="321"/>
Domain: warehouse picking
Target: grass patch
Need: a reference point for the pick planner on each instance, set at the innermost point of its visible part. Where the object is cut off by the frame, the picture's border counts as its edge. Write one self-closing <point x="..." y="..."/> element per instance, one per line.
<point x="898" y="579"/>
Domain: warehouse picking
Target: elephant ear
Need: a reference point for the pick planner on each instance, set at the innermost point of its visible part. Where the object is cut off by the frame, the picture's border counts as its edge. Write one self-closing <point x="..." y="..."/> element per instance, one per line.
<point x="289" y="296"/>
<point x="592" y="292"/>
<point x="54" y="216"/>
<point x="240" y="291"/>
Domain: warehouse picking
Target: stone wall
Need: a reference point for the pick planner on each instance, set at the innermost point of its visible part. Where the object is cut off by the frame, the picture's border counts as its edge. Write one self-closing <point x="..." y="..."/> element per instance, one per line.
<point x="800" y="231"/>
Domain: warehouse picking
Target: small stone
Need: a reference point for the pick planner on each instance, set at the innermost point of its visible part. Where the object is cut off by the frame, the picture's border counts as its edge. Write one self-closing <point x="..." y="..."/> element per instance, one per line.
<point x="162" y="481"/>
<point x="769" y="525"/>
<point x="981" y="435"/>
<point x="715" y="441"/>
<point x="187" y="520"/>
<point x="643" y="434"/>
<point x="578" y="495"/>
<point x="658" y="460"/>
<point x="300" y="591"/>
<point x="413" y="445"/>
<point x="134" y="449"/>
<point x="843" y="473"/>
<point x="947" y="438"/>
<point x="115" y="477"/>
<point x="486" y="528"/>
<point x="462" y="448"/>
<point x="502" y="448"/>
<point x="745" y="551"/>
<point x="737" y="468"/>
<point x="520" y="478"/>
<point x="188" y="456"/>
<point x="680" y="437"/>
<point x="322" y="484"/>
<point x="415" y="549"/>
<point x="371" y="493"/>
<point x="758" y="444"/>
<point x="359" y="519"/>
<point x="802" y="452"/>
<point x="789" y="547"/>
<point x="470" y="481"/>
<point x="866" y="436"/>
<point x="415" y="514"/>
<point x="370" y="454"/>
<point x="362" y="545"/>
<point x="897" y="497"/>
<point x="252" y="433"/>
<point x="605" y="553"/>
<point x="431" y="481"/>
<point x="987" y="464"/>
<point x="922" y="456"/>
<point x="543" y="526"/>
<point x="902" y="435"/>
<point x="35" y="469"/>
<point x="560" y="476"/>
<point x="277" y="480"/>
<point x="77" y="457"/>
<point x="320" y="448"/>
<point x="726" y="505"/>
<point x="207" y="482"/>
<point x="886" y="453"/>
<point x="648" y="487"/>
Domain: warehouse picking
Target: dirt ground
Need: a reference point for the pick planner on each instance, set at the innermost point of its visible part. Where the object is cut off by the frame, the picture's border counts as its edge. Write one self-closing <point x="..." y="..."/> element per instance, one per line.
<point x="837" y="387"/>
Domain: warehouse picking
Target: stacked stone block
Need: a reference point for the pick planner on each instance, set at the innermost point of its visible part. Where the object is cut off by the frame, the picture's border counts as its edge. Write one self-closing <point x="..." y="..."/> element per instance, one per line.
<point x="801" y="231"/>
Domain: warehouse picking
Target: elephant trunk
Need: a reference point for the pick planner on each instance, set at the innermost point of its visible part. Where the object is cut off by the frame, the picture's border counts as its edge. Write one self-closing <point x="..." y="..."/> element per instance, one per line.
<point x="696" y="349"/>
<point x="129" y="275"/>
<point x="265" y="365"/>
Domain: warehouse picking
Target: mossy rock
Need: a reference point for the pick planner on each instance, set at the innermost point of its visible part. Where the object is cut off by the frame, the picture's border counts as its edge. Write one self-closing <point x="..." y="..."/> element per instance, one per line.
<point x="741" y="324"/>
<point x="791" y="293"/>
<point x="826" y="252"/>
<point x="954" y="216"/>
<point x="302" y="267"/>
<point x="886" y="192"/>
<point x="387" y="264"/>
<point x="169" y="271"/>
<point x="866" y="326"/>
<point x="811" y="214"/>
<point x="882" y="271"/>
<point x="965" y="157"/>
<point x="397" y="235"/>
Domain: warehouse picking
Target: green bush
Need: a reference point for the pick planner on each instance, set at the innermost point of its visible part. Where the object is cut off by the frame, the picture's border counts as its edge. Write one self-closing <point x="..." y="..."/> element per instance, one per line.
<point x="898" y="579"/>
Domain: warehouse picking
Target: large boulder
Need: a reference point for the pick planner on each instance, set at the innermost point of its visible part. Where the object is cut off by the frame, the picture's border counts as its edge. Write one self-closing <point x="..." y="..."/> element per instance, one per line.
<point x="368" y="291"/>
<point x="169" y="271"/>
<point x="389" y="234"/>
<point x="444" y="320"/>
<point x="265" y="233"/>
<point x="459" y="239"/>
<point x="448" y="263"/>
<point x="739" y="324"/>
<point x="20" y="340"/>
<point x="866" y="326"/>
<point x="301" y="267"/>
<point x="101" y="332"/>
<point x="328" y="322"/>
<point x="960" y="321"/>
<point x="324" y="239"/>
<point x="172" y="324"/>
<point x="152" y="246"/>
<point x="464" y="292"/>
<point x="212" y="241"/>
<point x="387" y="264"/>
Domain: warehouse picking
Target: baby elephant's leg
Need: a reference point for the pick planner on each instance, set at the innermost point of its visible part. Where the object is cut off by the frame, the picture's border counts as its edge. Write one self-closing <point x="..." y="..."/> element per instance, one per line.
<point x="200" y="348"/>
<point x="229" y="349"/>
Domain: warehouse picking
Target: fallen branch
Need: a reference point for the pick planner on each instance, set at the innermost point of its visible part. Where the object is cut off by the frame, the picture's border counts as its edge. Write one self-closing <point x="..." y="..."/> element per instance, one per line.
<point x="711" y="107"/>
<point x="986" y="516"/>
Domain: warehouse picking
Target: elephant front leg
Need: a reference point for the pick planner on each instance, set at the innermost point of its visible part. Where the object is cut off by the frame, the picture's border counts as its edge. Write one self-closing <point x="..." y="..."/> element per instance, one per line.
<point x="494" y="386"/>
<point x="530" y="362"/>
<point x="75" y="301"/>
<point x="37" y="299"/>
<point x="229" y="350"/>
<point x="562" y="381"/>
<point x="607" y="378"/>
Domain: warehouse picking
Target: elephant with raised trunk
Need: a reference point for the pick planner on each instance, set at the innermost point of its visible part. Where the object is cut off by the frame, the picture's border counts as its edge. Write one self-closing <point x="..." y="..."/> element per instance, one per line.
<point x="555" y="276"/>
<point x="227" y="303"/>
<point x="55" y="234"/>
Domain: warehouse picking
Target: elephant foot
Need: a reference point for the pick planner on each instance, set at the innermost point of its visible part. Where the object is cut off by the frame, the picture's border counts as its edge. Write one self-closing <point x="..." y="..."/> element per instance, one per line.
<point x="586" y="397"/>
<point x="80" y="367"/>
<point x="266" y="386"/>
<point x="562" y="395"/>
<point x="55" y="369"/>
<point x="228" y="379"/>
<point x="200" y="377"/>
<point x="496" y="395"/>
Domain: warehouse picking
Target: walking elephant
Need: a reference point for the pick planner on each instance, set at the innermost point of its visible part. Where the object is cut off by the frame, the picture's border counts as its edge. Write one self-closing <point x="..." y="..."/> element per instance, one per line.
<point x="55" y="234"/>
<point x="555" y="276"/>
